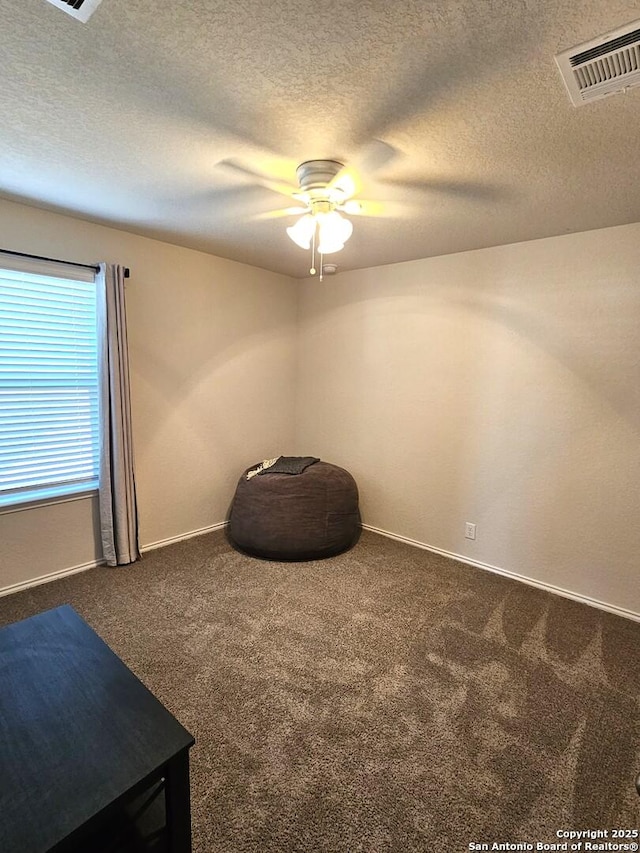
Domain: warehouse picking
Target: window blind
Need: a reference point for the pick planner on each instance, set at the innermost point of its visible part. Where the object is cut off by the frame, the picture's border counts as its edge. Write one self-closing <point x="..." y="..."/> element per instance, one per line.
<point x="49" y="438"/>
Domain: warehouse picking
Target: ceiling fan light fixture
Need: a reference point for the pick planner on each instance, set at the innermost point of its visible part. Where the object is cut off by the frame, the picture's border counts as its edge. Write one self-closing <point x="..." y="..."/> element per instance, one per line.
<point x="334" y="231"/>
<point x="328" y="248"/>
<point x="302" y="231"/>
<point x="325" y="187"/>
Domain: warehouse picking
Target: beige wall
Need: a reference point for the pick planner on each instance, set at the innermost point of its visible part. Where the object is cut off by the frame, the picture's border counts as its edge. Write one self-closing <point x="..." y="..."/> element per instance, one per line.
<point x="500" y="387"/>
<point x="212" y="370"/>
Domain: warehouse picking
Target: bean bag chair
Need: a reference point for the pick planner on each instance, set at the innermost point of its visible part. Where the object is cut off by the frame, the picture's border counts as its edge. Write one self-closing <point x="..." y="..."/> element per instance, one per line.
<point x="304" y="516"/>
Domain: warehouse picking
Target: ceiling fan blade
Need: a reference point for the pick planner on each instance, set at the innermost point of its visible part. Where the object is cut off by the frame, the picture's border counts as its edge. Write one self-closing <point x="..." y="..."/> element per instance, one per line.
<point x="279" y="214"/>
<point x="346" y="184"/>
<point x="362" y="207"/>
<point x="467" y="190"/>
<point x="276" y="186"/>
<point x="374" y="156"/>
<point x="238" y="202"/>
<point x="367" y="161"/>
<point x="378" y="209"/>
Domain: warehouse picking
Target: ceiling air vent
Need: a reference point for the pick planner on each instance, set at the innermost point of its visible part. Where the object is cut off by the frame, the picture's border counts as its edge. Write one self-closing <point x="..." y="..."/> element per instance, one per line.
<point x="602" y="66"/>
<point x="80" y="9"/>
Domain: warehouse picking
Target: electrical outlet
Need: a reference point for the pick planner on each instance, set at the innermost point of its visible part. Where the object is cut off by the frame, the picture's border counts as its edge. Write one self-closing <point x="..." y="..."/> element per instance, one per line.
<point x="469" y="530"/>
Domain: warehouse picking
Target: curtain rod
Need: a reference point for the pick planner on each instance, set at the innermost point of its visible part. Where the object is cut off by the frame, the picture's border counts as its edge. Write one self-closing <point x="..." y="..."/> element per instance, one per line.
<point x="57" y="260"/>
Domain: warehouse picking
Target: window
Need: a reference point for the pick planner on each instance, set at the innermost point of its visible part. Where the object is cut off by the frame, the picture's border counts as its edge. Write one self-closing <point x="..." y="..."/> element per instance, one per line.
<point x="49" y="438"/>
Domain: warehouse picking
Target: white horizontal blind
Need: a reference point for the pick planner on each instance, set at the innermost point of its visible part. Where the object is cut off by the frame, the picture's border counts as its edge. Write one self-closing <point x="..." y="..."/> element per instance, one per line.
<point x="49" y="439"/>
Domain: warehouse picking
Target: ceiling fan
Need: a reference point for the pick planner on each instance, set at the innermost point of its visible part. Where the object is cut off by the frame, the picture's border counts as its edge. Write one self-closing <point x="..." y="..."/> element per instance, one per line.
<point x="325" y="192"/>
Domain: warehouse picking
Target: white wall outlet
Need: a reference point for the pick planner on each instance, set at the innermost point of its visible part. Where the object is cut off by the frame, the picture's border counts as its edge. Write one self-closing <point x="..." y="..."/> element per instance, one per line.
<point x="469" y="530"/>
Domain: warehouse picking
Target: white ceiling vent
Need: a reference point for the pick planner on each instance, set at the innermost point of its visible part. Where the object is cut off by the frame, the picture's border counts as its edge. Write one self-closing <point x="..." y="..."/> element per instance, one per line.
<point x="80" y="9"/>
<point x="602" y="66"/>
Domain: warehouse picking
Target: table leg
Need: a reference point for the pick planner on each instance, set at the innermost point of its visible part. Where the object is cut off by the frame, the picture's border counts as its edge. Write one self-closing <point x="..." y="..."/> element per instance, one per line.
<point x="178" y="803"/>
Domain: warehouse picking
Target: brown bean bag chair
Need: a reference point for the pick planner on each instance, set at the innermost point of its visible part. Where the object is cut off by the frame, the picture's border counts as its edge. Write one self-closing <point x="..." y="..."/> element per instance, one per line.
<point x="304" y="516"/>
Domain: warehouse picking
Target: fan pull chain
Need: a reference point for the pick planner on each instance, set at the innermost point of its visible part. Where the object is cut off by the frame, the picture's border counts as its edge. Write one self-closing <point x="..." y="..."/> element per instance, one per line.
<point x="321" y="267"/>
<point x="312" y="271"/>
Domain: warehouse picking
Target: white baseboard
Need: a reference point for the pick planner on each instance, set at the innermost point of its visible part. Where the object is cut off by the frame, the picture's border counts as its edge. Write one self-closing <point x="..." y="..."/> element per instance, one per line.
<point x="557" y="590"/>
<point x="52" y="576"/>
<point x="565" y="593"/>
<point x="73" y="570"/>
<point x="161" y="543"/>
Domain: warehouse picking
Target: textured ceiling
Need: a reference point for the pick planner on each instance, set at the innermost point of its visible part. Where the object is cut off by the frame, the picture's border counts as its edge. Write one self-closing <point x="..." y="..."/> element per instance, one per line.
<point x="126" y="120"/>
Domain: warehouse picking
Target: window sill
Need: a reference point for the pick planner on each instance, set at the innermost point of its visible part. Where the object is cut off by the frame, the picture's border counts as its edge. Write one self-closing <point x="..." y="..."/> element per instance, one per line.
<point x="47" y="497"/>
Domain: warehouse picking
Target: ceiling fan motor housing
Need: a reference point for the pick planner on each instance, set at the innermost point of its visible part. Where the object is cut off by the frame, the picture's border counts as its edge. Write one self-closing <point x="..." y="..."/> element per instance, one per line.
<point x="316" y="174"/>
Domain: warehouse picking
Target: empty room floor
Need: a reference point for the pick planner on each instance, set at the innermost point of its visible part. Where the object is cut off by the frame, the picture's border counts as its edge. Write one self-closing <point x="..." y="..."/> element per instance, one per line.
<point x="387" y="699"/>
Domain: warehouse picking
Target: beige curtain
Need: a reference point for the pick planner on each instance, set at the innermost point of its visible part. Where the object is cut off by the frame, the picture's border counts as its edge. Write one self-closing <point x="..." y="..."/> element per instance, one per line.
<point x="118" y="510"/>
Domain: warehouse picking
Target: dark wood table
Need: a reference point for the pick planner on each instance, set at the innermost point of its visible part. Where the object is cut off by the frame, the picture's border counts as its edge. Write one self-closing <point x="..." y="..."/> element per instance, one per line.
<point x="80" y="738"/>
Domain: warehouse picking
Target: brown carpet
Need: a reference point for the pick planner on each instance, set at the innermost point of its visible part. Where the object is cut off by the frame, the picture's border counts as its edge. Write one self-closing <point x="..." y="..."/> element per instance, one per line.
<point x="384" y="700"/>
